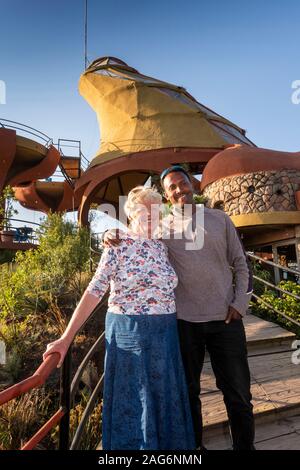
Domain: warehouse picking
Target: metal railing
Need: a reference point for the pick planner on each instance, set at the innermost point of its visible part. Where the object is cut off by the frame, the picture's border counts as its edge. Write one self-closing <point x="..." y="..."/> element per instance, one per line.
<point x="77" y="145"/>
<point x="95" y="247"/>
<point x="96" y="242"/>
<point x="275" y="265"/>
<point x="83" y="163"/>
<point x="27" y="131"/>
<point x="274" y="309"/>
<point x="12" y="232"/>
<point x="275" y="287"/>
<point x="44" y="139"/>
<point x="68" y="391"/>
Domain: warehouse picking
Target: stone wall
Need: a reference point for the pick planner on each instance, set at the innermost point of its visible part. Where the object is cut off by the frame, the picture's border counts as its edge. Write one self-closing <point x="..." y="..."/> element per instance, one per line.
<point x="264" y="191"/>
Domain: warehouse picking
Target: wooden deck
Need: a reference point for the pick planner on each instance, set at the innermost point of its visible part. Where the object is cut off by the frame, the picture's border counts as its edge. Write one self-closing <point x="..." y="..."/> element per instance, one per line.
<point x="275" y="389"/>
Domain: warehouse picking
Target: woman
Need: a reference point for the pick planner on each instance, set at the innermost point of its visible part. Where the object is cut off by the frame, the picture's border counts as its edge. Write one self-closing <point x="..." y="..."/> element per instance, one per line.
<point x="145" y="399"/>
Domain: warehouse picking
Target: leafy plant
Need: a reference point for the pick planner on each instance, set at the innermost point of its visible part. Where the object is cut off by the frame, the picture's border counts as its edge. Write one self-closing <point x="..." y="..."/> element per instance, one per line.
<point x="7" y="210"/>
<point x="200" y="199"/>
<point x="284" y="303"/>
<point x="259" y="271"/>
<point x="38" y="294"/>
<point x="40" y="291"/>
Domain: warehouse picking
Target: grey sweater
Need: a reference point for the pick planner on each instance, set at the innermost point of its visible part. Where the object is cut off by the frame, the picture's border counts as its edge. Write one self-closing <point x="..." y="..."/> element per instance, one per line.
<point x="213" y="277"/>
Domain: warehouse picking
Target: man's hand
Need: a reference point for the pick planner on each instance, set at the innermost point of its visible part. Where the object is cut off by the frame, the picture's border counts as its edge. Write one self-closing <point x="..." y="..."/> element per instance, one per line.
<point x="111" y="238"/>
<point x="232" y="314"/>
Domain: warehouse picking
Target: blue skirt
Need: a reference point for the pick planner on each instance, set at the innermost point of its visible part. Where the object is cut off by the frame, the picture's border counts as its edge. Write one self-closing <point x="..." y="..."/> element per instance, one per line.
<point x="145" y="401"/>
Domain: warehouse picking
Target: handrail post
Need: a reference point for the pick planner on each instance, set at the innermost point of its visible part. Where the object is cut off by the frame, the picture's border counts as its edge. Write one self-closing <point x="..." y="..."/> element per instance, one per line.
<point x="65" y="402"/>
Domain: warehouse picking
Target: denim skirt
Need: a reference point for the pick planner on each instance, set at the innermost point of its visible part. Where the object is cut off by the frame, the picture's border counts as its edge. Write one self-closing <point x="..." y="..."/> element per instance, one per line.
<point x="145" y="398"/>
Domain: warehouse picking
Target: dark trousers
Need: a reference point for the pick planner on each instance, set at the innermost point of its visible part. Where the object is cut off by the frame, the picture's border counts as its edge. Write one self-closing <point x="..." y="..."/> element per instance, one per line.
<point x="226" y="344"/>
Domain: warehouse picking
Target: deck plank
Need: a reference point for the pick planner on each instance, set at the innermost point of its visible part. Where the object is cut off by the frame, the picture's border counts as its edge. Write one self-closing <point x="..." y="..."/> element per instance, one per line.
<point x="260" y="330"/>
<point x="278" y="434"/>
<point x="275" y="380"/>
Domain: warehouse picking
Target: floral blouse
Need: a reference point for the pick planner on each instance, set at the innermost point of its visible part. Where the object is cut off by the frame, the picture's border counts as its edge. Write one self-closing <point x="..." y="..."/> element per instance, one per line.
<point x="139" y="275"/>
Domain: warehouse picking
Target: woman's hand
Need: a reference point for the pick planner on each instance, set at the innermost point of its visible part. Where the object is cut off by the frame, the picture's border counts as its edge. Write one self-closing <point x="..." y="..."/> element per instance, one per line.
<point x="60" y="346"/>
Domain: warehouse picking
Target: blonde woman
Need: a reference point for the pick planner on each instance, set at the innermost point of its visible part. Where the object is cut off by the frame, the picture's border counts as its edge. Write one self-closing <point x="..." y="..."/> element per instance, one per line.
<point x="145" y="398"/>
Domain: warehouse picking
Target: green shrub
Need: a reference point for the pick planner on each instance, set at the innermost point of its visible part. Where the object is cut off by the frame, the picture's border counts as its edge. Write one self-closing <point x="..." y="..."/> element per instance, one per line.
<point x="284" y="303"/>
<point x="39" y="292"/>
<point x="258" y="270"/>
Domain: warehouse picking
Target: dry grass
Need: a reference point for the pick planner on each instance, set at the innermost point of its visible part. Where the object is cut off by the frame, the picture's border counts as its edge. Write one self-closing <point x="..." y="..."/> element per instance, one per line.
<point x="92" y="433"/>
<point x="21" y="418"/>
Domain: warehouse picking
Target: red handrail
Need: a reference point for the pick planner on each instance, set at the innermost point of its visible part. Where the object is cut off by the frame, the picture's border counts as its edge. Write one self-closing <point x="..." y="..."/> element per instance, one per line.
<point x="43" y="431"/>
<point x="36" y="380"/>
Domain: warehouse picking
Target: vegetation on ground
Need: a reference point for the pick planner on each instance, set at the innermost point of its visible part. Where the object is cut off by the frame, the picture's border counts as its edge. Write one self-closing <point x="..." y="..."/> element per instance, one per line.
<point x="282" y="302"/>
<point x="39" y="291"/>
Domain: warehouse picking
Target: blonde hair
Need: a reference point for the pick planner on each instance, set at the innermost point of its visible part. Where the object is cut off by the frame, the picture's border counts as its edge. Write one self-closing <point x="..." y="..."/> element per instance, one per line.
<point x="140" y="195"/>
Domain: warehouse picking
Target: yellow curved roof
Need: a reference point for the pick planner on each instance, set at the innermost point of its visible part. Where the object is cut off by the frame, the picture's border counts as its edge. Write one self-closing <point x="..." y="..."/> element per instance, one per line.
<point x="137" y="113"/>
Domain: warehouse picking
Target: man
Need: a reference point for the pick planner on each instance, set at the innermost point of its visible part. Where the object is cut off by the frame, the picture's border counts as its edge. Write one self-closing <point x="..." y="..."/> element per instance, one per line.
<point x="210" y="308"/>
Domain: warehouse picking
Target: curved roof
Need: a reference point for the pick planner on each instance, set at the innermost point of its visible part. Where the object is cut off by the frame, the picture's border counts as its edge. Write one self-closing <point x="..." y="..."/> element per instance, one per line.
<point x="137" y="113"/>
<point x="24" y="160"/>
<point x="242" y="159"/>
<point x="29" y="150"/>
<point x="44" y="196"/>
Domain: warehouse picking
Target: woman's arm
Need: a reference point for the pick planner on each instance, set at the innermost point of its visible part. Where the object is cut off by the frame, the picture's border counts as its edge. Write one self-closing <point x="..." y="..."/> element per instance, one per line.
<point x="91" y="297"/>
<point x="87" y="304"/>
<point x="84" y="309"/>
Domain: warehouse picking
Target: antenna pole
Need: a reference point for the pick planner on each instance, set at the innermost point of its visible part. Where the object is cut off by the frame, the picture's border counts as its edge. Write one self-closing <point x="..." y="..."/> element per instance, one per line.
<point x="85" y="33"/>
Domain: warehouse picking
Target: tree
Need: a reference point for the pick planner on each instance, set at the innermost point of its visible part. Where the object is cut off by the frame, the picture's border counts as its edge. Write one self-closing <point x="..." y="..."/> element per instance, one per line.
<point x="7" y="210"/>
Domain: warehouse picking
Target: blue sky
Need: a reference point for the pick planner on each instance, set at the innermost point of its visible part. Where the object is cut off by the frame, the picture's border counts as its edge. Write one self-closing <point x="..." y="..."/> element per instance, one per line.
<point x="239" y="58"/>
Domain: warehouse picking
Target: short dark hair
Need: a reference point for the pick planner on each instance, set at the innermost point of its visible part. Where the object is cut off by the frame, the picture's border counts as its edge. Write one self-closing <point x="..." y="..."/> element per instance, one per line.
<point x="173" y="169"/>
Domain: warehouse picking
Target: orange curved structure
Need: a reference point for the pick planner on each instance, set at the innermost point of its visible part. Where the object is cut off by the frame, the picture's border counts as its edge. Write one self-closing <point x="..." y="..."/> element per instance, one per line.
<point x="258" y="188"/>
<point x="24" y="162"/>
<point x="242" y="159"/>
<point x="105" y="183"/>
<point x="8" y="144"/>
<point x="57" y="196"/>
<point x="145" y="125"/>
